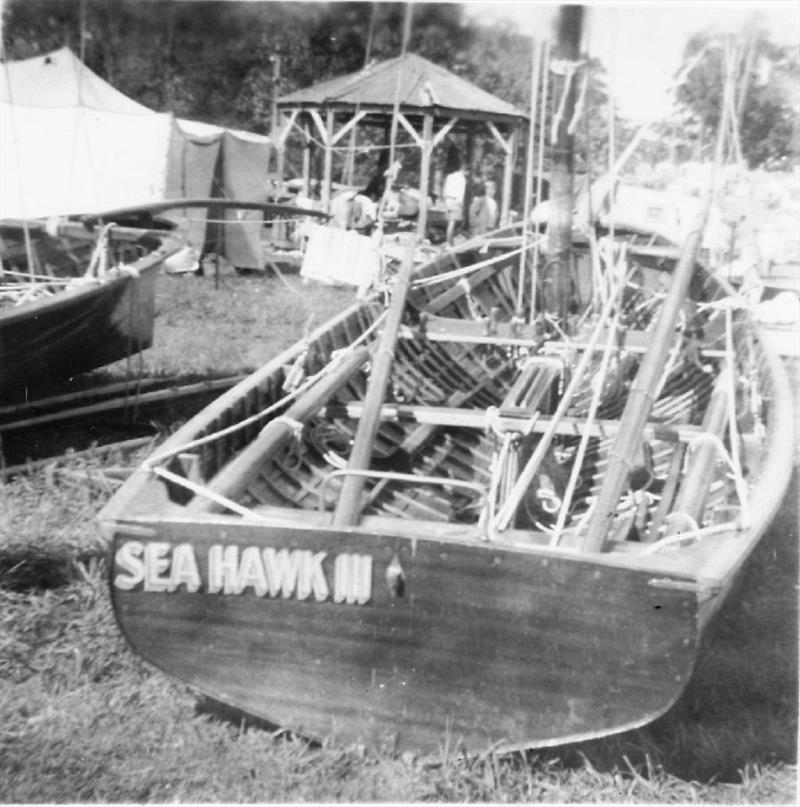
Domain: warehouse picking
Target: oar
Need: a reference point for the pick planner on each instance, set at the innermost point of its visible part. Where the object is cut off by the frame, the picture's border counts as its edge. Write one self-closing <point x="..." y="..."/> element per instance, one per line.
<point x="642" y="393"/>
<point x="349" y="504"/>
<point x="233" y="479"/>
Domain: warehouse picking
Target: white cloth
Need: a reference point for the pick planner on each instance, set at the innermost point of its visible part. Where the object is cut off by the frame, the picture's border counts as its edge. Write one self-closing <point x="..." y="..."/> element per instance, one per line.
<point x="341" y="257"/>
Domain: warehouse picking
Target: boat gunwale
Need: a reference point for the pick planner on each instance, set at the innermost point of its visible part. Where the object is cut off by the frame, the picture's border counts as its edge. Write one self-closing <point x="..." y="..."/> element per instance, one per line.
<point x="143" y="266"/>
<point x="769" y="490"/>
<point x="197" y="424"/>
<point x="511" y="540"/>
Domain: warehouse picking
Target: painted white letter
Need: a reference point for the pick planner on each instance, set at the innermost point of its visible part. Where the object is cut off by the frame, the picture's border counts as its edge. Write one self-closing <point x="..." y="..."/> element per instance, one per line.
<point x="184" y="569"/>
<point x="156" y="561"/>
<point x="352" y="579"/>
<point x="251" y="572"/>
<point x="129" y="560"/>
<point x="282" y="567"/>
<point x="223" y="567"/>
<point x="313" y="578"/>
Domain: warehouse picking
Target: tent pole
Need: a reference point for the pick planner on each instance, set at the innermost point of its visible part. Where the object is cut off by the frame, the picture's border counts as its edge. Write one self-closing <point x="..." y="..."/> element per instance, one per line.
<point x="306" y="159"/>
<point x="470" y="176"/>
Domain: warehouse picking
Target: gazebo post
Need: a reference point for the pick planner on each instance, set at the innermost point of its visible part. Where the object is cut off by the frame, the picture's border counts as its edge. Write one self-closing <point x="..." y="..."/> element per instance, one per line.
<point x="424" y="174"/>
<point x="366" y="93"/>
<point x="508" y="173"/>
<point x="469" y="173"/>
<point x="306" y="159"/>
<point x="328" y="175"/>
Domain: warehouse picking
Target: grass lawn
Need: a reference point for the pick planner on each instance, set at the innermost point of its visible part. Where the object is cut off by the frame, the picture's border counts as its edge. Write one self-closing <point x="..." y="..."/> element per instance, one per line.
<point x="84" y="720"/>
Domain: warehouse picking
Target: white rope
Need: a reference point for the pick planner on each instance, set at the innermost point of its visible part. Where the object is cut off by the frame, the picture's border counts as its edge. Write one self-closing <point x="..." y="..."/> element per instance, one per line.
<point x="739" y="481"/>
<point x="294" y="376"/>
<point x="512" y="502"/>
<point x="569" y="68"/>
<point x="455" y="274"/>
<point x="336" y="357"/>
<point x="599" y="382"/>
<point x="526" y="212"/>
<point x="361" y="149"/>
<point x="98" y="263"/>
<point x="573" y="124"/>
<point x="735" y="459"/>
<point x="295" y="425"/>
<point x="691" y="535"/>
<point x="207" y="493"/>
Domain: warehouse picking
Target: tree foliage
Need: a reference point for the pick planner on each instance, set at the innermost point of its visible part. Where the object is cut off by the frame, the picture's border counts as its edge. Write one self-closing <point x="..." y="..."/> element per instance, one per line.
<point x="214" y="61"/>
<point x="768" y="76"/>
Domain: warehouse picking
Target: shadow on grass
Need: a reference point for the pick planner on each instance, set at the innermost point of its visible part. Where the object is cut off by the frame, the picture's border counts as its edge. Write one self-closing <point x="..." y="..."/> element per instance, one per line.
<point x="242" y="721"/>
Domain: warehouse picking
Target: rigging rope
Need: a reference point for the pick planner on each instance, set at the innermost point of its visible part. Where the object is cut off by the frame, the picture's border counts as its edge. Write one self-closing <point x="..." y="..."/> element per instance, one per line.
<point x="335" y="357"/>
<point x="598" y="382"/>
<point x="535" y="68"/>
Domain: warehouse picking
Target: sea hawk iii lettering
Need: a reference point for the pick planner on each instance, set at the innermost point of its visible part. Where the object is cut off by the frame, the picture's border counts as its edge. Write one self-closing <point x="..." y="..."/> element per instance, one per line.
<point x="264" y="571"/>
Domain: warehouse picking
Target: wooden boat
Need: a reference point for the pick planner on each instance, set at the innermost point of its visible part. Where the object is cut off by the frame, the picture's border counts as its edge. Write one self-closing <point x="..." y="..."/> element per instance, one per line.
<point x="88" y="299"/>
<point x="502" y="507"/>
<point x="498" y="532"/>
<point x="75" y="299"/>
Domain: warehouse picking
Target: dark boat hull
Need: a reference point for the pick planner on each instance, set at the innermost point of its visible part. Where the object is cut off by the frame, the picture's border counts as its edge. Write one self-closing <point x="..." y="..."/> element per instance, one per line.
<point x="78" y="330"/>
<point x="488" y="645"/>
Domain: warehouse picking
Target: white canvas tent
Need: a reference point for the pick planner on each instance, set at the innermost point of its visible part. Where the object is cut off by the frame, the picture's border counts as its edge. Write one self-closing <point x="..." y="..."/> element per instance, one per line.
<point x="72" y="144"/>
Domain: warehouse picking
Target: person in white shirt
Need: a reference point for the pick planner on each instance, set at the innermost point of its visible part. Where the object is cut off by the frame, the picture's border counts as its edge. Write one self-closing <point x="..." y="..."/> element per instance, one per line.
<point x="355" y="210"/>
<point x="455" y="185"/>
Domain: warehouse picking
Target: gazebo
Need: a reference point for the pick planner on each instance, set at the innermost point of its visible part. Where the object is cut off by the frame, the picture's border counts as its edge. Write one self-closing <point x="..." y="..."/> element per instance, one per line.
<point x="429" y="101"/>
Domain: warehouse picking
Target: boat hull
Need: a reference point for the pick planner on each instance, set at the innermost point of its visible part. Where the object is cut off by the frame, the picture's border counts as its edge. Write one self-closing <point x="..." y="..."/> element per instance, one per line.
<point x="78" y="330"/>
<point x="425" y="620"/>
<point x="442" y="638"/>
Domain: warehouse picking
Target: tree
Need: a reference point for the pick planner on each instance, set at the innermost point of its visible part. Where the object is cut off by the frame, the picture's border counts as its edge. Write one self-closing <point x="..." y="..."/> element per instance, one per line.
<point x="768" y="113"/>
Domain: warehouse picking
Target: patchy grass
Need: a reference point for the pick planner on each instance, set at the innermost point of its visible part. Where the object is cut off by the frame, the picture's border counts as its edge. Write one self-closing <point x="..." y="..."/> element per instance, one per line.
<point x="210" y="332"/>
<point x="83" y="719"/>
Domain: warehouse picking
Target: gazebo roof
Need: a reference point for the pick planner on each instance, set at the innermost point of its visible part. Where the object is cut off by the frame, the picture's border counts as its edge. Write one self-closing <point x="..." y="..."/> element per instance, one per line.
<point x="423" y="86"/>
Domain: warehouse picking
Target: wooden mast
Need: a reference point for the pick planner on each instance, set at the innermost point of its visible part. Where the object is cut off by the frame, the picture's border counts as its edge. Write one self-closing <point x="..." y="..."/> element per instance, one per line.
<point x="348" y="507"/>
<point x="559" y="242"/>
<point x="643" y="390"/>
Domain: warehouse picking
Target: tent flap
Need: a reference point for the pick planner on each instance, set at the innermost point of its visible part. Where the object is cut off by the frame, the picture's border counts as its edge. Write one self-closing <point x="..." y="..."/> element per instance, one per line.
<point x="244" y="176"/>
<point x="71" y="144"/>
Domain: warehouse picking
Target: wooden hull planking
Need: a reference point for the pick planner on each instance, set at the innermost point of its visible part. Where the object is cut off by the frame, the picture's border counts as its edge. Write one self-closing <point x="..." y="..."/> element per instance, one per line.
<point x="490" y="644"/>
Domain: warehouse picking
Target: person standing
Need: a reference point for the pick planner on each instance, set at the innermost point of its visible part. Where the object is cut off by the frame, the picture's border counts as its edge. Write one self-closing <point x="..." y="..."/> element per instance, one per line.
<point x="482" y="209"/>
<point x="455" y="185"/>
<point x="491" y="203"/>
